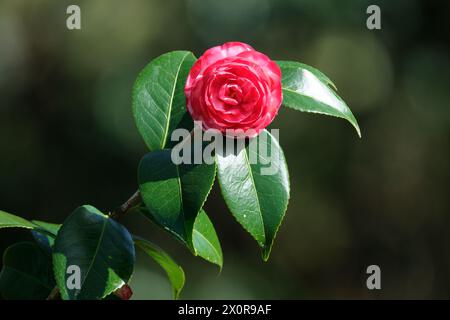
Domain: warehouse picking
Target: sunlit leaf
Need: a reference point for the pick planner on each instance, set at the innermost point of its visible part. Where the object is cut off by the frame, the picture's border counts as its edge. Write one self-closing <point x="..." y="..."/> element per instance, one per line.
<point x="8" y="220"/>
<point x="159" y="104"/>
<point x="257" y="199"/>
<point x="206" y="243"/>
<point x="307" y="89"/>
<point x="174" y="272"/>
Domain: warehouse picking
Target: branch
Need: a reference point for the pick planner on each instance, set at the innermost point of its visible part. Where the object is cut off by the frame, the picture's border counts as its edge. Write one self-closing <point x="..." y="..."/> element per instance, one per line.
<point x="54" y="294"/>
<point x="134" y="200"/>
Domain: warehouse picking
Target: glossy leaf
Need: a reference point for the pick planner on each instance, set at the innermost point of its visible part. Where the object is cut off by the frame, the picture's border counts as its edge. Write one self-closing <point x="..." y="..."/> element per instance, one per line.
<point x="8" y="220"/>
<point x="174" y="194"/>
<point x="27" y="273"/>
<point x="51" y="228"/>
<point x="45" y="235"/>
<point x="174" y="272"/>
<point x="307" y="89"/>
<point x="204" y="238"/>
<point x="319" y="74"/>
<point x="206" y="243"/>
<point x="159" y="104"/>
<point x="102" y="249"/>
<point x="257" y="197"/>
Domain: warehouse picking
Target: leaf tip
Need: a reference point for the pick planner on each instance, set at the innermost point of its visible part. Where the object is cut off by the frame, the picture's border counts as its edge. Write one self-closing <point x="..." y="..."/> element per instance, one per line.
<point x="266" y="253"/>
<point x="358" y="131"/>
<point x="220" y="265"/>
<point x="355" y="125"/>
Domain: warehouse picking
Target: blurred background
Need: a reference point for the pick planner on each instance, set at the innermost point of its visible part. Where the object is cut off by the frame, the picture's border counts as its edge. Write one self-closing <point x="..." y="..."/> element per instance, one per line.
<point x="67" y="137"/>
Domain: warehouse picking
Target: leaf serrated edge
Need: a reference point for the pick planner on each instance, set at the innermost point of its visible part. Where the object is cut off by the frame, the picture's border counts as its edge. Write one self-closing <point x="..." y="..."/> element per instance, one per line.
<point x="266" y="254"/>
<point x="140" y="242"/>
<point x="298" y="65"/>
<point x="177" y="236"/>
<point x="203" y="203"/>
<point x="352" y="120"/>
<point x="211" y="245"/>
<point x="232" y="213"/>
<point x="138" y="82"/>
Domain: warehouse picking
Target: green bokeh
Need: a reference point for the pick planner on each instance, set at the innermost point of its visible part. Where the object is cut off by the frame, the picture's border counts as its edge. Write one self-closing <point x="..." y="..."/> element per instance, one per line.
<point x="67" y="137"/>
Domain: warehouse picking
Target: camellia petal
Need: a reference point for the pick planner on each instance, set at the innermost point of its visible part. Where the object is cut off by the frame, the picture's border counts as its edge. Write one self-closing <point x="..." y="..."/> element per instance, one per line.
<point x="232" y="87"/>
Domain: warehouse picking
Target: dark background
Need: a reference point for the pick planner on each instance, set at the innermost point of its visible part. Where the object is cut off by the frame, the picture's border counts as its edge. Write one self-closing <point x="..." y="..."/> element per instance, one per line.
<point x="67" y="137"/>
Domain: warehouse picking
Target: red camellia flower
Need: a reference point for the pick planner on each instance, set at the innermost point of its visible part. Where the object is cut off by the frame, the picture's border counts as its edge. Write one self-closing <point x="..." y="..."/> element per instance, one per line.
<point x="233" y="87"/>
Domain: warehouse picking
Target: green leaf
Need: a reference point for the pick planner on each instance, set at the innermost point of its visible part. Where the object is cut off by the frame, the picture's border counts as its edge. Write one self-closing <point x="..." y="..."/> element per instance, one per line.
<point x="8" y="220"/>
<point x="174" y="194"/>
<point x="27" y="273"/>
<point x="43" y="232"/>
<point x="319" y="74"/>
<point x="159" y="104"/>
<point x="256" y="195"/>
<point x="173" y="270"/>
<point x="206" y="243"/>
<point x="307" y="89"/>
<point x="51" y="228"/>
<point x="204" y="238"/>
<point x="102" y="249"/>
<point x="45" y="235"/>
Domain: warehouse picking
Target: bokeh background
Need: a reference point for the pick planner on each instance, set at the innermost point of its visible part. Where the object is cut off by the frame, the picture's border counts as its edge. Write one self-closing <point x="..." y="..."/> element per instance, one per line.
<point x="67" y="137"/>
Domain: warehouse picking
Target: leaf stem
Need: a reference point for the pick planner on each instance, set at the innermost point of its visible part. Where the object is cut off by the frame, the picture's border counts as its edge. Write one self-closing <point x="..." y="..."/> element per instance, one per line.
<point x="134" y="200"/>
<point x="54" y="294"/>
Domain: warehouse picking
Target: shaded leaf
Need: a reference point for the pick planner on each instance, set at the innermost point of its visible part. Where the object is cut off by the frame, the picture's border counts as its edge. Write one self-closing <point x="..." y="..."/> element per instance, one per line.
<point x="43" y="232"/>
<point x="100" y="247"/>
<point x="174" y="194"/>
<point x="45" y="235"/>
<point x="27" y="273"/>
<point x="205" y="241"/>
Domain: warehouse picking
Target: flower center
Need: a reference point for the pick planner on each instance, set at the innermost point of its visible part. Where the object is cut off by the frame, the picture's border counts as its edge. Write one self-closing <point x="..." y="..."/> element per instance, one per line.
<point x="230" y="94"/>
